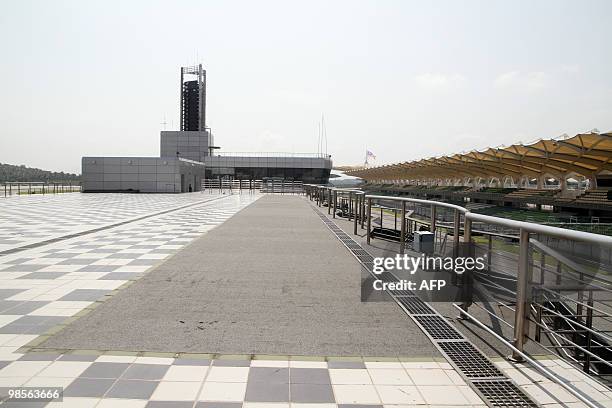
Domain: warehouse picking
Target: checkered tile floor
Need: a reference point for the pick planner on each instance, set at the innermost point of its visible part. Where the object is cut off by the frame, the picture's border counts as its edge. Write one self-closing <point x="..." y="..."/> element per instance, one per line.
<point x="41" y="288"/>
<point x="29" y="219"/>
<point x="150" y="381"/>
<point x="145" y="381"/>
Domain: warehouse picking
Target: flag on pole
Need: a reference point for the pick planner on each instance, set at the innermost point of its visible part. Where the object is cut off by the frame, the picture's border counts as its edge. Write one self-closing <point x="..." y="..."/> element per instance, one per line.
<point x="370" y="154"/>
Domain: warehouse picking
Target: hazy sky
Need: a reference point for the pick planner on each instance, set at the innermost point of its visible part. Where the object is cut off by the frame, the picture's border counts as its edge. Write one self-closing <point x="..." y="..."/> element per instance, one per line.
<point x="407" y="79"/>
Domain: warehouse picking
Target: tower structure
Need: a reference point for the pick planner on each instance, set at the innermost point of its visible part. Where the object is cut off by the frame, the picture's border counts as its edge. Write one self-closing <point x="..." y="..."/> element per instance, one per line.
<point x="193" y="98"/>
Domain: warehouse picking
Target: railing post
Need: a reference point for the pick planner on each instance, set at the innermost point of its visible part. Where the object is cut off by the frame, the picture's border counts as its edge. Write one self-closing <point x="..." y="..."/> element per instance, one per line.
<point x="355" y="215"/>
<point x="350" y="205"/>
<point x="489" y="252"/>
<point x="433" y="219"/>
<point x="467" y="230"/>
<point x="522" y="303"/>
<point x="456" y="227"/>
<point x="363" y="210"/>
<point x="369" y="209"/>
<point x="589" y="333"/>
<point x="335" y="194"/>
<point x="395" y="218"/>
<point x="403" y="229"/>
<point x="329" y="201"/>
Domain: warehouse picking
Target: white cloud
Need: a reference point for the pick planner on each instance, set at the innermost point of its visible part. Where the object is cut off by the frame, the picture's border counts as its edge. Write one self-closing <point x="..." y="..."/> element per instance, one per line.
<point x="430" y="80"/>
<point x="528" y="81"/>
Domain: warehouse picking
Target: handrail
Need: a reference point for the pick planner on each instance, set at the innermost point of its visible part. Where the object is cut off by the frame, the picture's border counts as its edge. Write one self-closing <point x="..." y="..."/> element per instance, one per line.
<point x="419" y="201"/>
<point x="526" y="226"/>
<point x="542" y="229"/>
<point x="272" y="154"/>
<point x="360" y="205"/>
<point x="544" y="370"/>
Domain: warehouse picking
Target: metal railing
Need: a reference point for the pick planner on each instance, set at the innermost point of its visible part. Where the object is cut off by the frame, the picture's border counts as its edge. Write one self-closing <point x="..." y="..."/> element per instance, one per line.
<point x="272" y="154"/>
<point x="18" y="188"/>
<point x="263" y="186"/>
<point x="555" y="282"/>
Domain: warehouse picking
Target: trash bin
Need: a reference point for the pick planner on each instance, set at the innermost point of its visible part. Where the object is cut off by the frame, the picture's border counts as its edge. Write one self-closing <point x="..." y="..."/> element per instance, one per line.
<point x="424" y="242"/>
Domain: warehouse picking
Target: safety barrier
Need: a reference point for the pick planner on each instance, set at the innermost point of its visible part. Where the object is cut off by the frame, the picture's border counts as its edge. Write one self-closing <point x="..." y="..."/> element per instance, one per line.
<point x="38" y="187"/>
<point x="556" y="282"/>
<point x="264" y="186"/>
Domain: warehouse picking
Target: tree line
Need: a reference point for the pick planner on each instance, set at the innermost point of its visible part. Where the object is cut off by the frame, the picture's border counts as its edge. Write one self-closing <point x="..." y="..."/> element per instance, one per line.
<point x="12" y="173"/>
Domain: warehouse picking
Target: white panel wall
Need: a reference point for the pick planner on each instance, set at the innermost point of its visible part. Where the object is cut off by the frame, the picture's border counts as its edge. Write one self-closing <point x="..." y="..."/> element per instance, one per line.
<point x="143" y="174"/>
<point x="191" y="145"/>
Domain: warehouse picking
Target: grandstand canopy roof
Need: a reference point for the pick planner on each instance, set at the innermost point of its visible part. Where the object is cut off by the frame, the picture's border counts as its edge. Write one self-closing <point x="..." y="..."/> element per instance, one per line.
<point x="584" y="154"/>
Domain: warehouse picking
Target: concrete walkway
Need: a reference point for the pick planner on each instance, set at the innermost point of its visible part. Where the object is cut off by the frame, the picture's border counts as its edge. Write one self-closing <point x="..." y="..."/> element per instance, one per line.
<point x="270" y="280"/>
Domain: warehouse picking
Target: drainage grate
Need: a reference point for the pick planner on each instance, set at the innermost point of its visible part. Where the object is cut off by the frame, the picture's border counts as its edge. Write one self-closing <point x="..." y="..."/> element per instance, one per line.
<point x="358" y="251"/>
<point x="503" y="393"/>
<point x="368" y="265"/>
<point x="386" y="277"/>
<point x="404" y="292"/>
<point x="365" y="258"/>
<point x="490" y="383"/>
<point x="469" y="360"/>
<point x="415" y="305"/>
<point x="438" y="328"/>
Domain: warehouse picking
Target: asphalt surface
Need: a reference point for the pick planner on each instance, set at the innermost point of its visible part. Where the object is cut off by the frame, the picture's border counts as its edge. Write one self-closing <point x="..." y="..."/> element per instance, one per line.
<point x="271" y="280"/>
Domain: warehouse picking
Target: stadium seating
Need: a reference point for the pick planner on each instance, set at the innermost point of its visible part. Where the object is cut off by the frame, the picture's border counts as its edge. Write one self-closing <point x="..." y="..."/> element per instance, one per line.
<point x="531" y="193"/>
<point x="600" y="196"/>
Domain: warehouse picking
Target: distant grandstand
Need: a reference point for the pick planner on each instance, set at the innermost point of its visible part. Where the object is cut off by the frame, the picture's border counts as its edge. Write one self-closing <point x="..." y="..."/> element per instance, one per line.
<point x="555" y="181"/>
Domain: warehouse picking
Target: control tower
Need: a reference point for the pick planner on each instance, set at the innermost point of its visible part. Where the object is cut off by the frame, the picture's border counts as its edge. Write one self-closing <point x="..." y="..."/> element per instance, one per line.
<point x="193" y="98"/>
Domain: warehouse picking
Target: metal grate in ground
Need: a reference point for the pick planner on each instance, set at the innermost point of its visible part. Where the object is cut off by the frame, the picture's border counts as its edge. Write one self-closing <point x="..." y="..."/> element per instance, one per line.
<point x="469" y="360"/>
<point x="503" y="393"/>
<point x="475" y="368"/>
<point x="414" y="305"/>
<point x="438" y="328"/>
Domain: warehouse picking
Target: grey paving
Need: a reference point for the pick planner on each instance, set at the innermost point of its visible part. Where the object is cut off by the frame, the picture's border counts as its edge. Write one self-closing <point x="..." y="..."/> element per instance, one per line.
<point x="312" y="393"/>
<point x="202" y="404"/>
<point x="270" y="280"/>
<point x="43" y="275"/>
<point x="87" y="295"/>
<point x="171" y="404"/>
<point x="22" y="308"/>
<point x="310" y="376"/>
<point x="88" y="387"/>
<point x="145" y="372"/>
<point x="105" y="370"/>
<point x="267" y="392"/>
<point x="134" y="389"/>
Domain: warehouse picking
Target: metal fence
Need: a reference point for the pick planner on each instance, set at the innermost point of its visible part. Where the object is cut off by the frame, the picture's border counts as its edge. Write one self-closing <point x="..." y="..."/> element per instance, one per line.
<point x="25" y="188"/>
<point x="554" y="285"/>
<point x="272" y="186"/>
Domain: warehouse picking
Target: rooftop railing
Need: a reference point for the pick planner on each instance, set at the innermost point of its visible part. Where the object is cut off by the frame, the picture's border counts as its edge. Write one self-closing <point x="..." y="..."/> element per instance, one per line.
<point x="555" y="283"/>
<point x="17" y="188"/>
<point x="271" y="154"/>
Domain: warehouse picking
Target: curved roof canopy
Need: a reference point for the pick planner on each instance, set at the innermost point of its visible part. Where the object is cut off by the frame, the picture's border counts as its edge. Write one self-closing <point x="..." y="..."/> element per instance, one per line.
<point x="585" y="154"/>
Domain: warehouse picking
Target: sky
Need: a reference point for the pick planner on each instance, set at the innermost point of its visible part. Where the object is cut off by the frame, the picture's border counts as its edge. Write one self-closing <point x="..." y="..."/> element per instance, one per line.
<point x="404" y="79"/>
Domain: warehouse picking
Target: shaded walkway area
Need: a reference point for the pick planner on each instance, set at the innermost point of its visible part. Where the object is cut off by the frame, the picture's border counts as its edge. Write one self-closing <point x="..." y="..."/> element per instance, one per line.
<point x="270" y="280"/>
